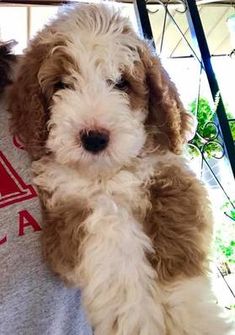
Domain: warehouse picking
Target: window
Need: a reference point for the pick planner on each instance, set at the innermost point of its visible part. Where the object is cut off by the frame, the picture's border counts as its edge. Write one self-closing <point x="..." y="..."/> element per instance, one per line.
<point x="13" y="25"/>
<point x="26" y="21"/>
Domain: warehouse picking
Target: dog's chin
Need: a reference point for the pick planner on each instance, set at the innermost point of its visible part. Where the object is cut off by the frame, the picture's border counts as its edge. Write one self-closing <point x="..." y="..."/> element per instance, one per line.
<point x="93" y="165"/>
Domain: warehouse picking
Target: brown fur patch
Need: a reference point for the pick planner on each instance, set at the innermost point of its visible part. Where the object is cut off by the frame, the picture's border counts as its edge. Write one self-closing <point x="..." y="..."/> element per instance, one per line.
<point x="57" y="69"/>
<point x="179" y="223"/>
<point x="62" y="237"/>
<point x="166" y="111"/>
<point x="138" y="91"/>
<point x="151" y="89"/>
<point x="31" y="93"/>
<point x="27" y="105"/>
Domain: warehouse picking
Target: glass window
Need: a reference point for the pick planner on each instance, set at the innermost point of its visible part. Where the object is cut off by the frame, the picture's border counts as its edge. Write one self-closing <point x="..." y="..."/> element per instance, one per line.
<point x="39" y="16"/>
<point x="13" y="25"/>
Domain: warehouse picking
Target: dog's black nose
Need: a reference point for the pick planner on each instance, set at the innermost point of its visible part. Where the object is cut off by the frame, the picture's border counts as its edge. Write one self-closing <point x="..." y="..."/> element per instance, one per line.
<point x="94" y="140"/>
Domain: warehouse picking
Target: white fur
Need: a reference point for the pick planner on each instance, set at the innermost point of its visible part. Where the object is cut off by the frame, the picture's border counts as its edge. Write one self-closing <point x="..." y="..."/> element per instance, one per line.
<point x="192" y="309"/>
<point x="117" y="280"/>
<point x="94" y="107"/>
<point x="125" y="284"/>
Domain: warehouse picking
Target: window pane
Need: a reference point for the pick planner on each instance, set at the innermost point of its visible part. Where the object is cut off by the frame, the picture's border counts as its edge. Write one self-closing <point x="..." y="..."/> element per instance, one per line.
<point x="40" y="16"/>
<point x="13" y="25"/>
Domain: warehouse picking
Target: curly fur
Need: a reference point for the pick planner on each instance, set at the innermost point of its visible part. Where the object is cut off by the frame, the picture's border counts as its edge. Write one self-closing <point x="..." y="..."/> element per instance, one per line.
<point x="131" y="225"/>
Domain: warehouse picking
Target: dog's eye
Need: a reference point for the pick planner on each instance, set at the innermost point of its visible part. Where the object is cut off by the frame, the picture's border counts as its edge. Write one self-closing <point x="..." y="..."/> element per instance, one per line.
<point x="122" y="85"/>
<point x="60" y="85"/>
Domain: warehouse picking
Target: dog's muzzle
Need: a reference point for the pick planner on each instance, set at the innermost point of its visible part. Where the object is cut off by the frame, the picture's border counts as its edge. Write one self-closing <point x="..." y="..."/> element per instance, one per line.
<point x="94" y="141"/>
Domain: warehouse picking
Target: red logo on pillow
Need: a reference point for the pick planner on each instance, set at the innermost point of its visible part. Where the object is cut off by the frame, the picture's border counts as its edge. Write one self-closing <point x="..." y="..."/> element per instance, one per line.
<point x="12" y="188"/>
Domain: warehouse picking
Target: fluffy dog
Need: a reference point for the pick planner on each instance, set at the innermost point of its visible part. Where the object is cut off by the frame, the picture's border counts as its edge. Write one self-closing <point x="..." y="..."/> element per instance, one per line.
<point x="125" y="218"/>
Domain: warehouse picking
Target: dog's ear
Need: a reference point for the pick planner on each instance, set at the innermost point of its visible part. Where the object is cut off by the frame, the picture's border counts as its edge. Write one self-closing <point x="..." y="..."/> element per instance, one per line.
<point x="166" y="112"/>
<point x="27" y="105"/>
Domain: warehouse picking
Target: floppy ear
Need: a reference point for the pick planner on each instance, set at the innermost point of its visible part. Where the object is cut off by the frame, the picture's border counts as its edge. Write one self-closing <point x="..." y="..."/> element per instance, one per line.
<point x="27" y="104"/>
<point x="166" y="111"/>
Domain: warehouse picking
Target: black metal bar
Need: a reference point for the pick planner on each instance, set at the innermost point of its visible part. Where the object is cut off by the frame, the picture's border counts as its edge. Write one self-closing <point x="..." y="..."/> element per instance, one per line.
<point x="199" y="39"/>
<point x="143" y="21"/>
<point x="225" y="281"/>
<point x="163" y="31"/>
<point x="191" y="56"/>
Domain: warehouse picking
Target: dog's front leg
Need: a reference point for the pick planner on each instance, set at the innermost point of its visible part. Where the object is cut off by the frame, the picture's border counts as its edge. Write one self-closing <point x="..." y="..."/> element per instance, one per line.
<point x="119" y="285"/>
<point x="64" y="209"/>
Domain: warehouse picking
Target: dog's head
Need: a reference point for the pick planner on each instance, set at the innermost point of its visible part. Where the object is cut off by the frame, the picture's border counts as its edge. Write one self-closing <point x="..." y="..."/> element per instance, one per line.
<point x="92" y="93"/>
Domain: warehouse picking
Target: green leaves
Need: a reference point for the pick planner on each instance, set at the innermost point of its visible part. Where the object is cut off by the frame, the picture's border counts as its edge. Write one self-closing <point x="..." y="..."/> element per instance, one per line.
<point x="207" y="138"/>
<point x="224" y="241"/>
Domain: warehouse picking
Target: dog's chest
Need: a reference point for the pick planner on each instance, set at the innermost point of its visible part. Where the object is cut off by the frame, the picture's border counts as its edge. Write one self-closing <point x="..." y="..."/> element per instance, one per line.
<point x="125" y="189"/>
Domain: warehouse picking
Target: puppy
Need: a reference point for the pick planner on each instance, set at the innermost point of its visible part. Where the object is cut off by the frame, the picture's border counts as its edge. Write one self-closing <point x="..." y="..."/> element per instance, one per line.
<point x="124" y="217"/>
